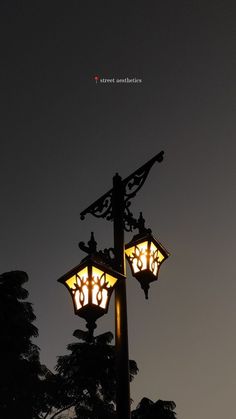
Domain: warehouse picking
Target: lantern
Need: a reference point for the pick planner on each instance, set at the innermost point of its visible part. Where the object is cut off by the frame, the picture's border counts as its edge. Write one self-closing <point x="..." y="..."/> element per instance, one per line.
<point x="90" y="285"/>
<point x="145" y="256"/>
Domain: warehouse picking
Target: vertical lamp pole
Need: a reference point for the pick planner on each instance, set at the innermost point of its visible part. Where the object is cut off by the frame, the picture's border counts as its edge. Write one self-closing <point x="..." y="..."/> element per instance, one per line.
<point x="121" y="321"/>
<point x="114" y="205"/>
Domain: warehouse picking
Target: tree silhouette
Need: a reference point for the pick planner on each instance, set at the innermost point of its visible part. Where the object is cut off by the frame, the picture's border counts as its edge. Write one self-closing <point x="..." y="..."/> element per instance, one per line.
<point x="86" y="378"/>
<point x="20" y="384"/>
<point x="147" y="409"/>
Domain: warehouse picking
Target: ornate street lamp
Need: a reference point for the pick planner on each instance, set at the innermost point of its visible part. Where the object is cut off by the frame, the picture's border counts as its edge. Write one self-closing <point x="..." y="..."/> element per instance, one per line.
<point x="91" y="282"/>
<point x="145" y="255"/>
<point x="90" y="285"/>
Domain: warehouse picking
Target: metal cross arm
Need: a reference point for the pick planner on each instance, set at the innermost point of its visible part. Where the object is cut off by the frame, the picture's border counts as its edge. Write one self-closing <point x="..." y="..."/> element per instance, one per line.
<point x="102" y="207"/>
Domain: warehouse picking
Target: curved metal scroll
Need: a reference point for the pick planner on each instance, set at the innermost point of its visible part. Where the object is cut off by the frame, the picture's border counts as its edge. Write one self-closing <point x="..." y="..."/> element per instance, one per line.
<point x="102" y="208"/>
<point x="129" y="221"/>
<point x="135" y="181"/>
<point x="132" y="184"/>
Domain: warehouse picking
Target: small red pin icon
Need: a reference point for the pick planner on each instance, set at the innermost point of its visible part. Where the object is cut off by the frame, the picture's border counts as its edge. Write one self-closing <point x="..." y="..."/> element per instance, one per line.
<point x="96" y="78"/>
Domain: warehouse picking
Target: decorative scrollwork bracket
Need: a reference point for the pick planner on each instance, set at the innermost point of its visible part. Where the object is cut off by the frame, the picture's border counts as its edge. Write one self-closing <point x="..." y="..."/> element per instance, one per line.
<point x="103" y="207"/>
<point x="135" y="181"/>
<point x="92" y="246"/>
<point x="106" y="256"/>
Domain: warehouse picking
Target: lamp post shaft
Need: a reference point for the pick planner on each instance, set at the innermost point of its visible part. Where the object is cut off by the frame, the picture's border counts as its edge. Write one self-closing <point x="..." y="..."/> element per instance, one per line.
<point x="121" y="323"/>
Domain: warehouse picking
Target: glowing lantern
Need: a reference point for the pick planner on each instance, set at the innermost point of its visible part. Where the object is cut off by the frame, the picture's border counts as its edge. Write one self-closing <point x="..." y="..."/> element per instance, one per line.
<point x="145" y="256"/>
<point x="90" y="285"/>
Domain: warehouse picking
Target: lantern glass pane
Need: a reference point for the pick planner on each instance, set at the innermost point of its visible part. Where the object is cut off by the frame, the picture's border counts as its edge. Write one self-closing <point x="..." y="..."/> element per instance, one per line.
<point x="153" y="257"/>
<point x="100" y="285"/>
<point x="99" y="295"/>
<point x="138" y="256"/>
<point x="77" y="300"/>
<point x="160" y="256"/>
<point x="80" y="289"/>
<point x="111" y="280"/>
<point x="156" y="257"/>
<point x="97" y="273"/>
<point x="71" y="282"/>
<point x="83" y="274"/>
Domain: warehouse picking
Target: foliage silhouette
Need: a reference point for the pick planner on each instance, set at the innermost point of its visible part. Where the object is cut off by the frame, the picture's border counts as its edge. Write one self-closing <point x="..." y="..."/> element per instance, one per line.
<point x="86" y="379"/>
<point x="147" y="409"/>
<point x="20" y="383"/>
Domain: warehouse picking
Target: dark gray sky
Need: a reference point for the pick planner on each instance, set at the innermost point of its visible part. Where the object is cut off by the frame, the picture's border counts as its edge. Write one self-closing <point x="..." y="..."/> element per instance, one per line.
<point x="63" y="138"/>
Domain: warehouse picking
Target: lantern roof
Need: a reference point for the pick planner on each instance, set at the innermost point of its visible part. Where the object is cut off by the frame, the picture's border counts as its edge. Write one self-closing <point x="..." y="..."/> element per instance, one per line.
<point x="91" y="260"/>
<point x="147" y="236"/>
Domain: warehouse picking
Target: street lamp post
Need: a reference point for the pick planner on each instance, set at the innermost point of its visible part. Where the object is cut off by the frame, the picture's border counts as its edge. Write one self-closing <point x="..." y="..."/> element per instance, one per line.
<point x="121" y="321"/>
<point x="145" y="255"/>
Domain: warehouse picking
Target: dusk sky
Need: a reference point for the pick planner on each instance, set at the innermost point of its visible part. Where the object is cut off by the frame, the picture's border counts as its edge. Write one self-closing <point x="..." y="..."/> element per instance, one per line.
<point x="64" y="136"/>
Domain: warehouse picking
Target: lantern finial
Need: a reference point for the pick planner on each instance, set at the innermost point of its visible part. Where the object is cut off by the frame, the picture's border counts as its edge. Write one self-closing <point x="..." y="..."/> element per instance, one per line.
<point x="141" y="225"/>
<point x="92" y="245"/>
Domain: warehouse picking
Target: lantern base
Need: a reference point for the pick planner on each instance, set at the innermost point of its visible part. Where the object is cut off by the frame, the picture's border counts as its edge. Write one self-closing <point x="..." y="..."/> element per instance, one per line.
<point x="145" y="288"/>
<point x="91" y="314"/>
<point x="145" y="277"/>
<point x="91" y="326"/>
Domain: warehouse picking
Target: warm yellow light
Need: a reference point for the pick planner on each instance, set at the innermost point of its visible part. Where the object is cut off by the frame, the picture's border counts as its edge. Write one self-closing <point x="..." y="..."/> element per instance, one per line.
<point x="71" y="282"/>
<point x="81" y="297"/>
<point x="99" y="294"/>
<point x="100" y="285"/>
<point x="153" y="260"/>
<point x="79" y="286"/>
<point x="156" y="257"/>
<point x="90" y="285"/>
<point x="111" y="280"/>
<point x="138" y="256"/>
<point x="145" y="256"/>
<point x="94" y="289"/>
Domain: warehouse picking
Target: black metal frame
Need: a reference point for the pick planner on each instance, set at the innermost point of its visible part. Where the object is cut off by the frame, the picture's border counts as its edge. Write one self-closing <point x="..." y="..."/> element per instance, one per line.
<point x="103" y="207"/>
<point x="115" y="206"/>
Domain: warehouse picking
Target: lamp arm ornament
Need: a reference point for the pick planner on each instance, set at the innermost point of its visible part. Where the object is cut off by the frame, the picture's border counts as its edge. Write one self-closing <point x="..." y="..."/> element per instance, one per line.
<point x="135" y="181"/>
<point x="130" y="223"/>
<point x="92" y="246"/>
<point x="108" y="257"/>
<point x="102" y="207"/>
